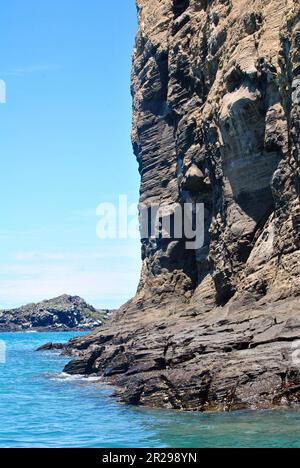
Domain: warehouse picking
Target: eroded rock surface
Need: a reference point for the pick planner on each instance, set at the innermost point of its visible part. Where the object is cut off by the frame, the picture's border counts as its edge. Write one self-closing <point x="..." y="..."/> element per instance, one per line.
<point x="216" y="86"/>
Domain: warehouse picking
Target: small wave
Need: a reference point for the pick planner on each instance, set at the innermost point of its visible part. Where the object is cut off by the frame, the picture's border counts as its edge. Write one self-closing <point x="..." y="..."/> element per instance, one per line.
<point x="62" y="376"/>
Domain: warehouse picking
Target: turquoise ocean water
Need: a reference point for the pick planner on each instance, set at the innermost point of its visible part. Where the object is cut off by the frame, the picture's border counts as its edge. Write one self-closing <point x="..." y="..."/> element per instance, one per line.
<point x="40" y="407"/>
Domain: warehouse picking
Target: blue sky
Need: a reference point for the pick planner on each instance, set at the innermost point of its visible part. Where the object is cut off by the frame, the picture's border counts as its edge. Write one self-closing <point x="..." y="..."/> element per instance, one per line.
<point x="65" y="147"/>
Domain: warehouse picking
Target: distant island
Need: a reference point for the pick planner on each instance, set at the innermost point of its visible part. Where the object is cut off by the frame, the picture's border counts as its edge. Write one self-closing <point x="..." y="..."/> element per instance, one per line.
<point x="62" y="313"/>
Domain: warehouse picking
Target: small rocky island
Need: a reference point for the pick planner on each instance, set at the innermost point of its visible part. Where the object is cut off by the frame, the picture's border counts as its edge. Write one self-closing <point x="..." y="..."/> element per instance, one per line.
<point x="62" y="313"/>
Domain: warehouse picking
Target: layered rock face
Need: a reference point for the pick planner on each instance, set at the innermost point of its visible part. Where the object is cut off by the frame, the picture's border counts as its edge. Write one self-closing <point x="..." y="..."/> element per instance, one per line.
<point x="215" y="123"/>
<point x="216" y="92"/>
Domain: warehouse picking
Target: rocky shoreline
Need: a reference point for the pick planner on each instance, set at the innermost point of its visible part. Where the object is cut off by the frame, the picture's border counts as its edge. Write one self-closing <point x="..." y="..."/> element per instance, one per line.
<point x="63" y="313"/>
<point x="227" y="359"/>
<point x="216" y="89"/>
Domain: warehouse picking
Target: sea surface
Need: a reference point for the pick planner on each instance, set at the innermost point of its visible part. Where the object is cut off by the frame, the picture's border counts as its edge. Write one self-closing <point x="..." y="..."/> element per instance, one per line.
<point x="41" y="407"/>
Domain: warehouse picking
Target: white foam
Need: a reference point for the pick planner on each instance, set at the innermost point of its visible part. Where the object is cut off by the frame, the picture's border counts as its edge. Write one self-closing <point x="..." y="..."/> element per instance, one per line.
<point x="62" y="376"/>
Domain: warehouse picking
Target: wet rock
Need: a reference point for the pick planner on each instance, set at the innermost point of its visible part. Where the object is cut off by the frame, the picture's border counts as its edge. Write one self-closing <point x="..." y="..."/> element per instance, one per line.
<point x="51" y="347"/>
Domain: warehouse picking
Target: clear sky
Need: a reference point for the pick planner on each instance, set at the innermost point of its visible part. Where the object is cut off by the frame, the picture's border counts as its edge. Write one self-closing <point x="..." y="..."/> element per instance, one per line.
<point x="65" y="147"/>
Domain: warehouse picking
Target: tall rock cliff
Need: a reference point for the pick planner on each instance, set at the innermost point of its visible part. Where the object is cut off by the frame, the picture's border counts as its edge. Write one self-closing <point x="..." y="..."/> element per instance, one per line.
<point x="216" y="93"/>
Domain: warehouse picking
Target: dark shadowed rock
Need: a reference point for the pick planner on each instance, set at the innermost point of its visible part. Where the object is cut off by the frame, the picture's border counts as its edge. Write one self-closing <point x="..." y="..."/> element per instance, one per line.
<point x="51" y="347"/>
